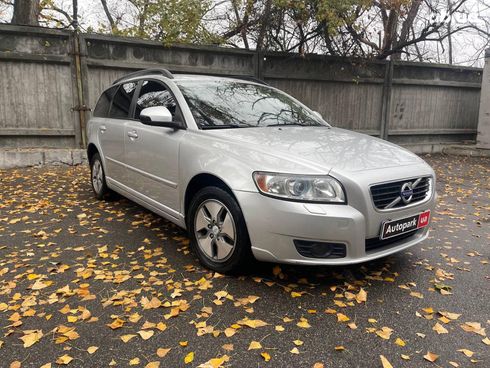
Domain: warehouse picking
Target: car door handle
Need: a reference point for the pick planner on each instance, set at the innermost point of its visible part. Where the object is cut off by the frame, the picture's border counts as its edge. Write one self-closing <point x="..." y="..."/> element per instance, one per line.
<point x="132" y="134"/>
<point x="102" y="129"/>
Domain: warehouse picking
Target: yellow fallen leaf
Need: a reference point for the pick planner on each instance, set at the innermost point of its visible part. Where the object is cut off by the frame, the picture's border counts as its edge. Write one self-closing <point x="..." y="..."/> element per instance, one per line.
<point x="72" y="319"/>
<point x="15" y="364"/>
<point x="361" y="296"/>
<point x="39" y="284"/>
<point x="467" y="352"/>
<point x="439" y="329"/>
<point x="352" y="326"/>
<point x="183" y="343"/>
<point x="384" y="362"/>
<point x="303" y="323"/>
<point x="189" y="358"/>
<point x="266" y="356"/>
<point x="134" y="361"/>
<point x="92" y="349"/>
<point x="228" y="347"/>
<point x="295" y="294"/>
<point x="417" y="294"/>
<point x="161" y="352"/>
<point x="31" y="337"/>
<point x="342" y="317"/>
<point x="431" y="357"/>
<point x="128" y="337"/>
<point x="153" y="365"/>
<point x="294" y="351"/>
<point x="399" y="342"/>
<point x="146" y="334"/>
<point x="64" y="359"/>
<point x="405" y="357"/>
<point x="3" y="307"/>
<point x="254" y="345"/>
<point x="215" y="362"/>
<point x="47" y="365"/>
<point x="33" y="276"/>
<point x="452" y="316"/>
<point x="229" y="332"/>
<point x="298" y="342"/>
<point x="117" y="323"/>
<point x="486" y="341"/>
<point x="474" y="327"/>
<point x="279" y="328"/>
<point x="384" y="333"/>
<point x="253" y="323"/>
<point x="339" y="348"/>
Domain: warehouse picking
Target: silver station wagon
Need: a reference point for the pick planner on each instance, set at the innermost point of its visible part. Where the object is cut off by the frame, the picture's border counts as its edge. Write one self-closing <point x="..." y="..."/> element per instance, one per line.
<point x="251" y="172"/>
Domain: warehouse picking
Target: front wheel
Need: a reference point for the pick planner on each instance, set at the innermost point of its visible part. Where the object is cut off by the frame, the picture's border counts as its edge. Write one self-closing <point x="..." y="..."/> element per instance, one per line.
<point x="218" y="232"/>
<point x="97" y="175"/>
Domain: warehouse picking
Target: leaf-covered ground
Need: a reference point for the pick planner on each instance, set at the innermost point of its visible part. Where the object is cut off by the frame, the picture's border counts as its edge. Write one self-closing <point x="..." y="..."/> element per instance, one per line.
<point x="93" y="284"/>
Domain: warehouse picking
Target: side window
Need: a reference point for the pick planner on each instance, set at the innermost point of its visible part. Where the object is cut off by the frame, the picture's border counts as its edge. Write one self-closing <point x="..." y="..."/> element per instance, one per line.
<point x="156" y="94"/>
<point x="121" y="102"/>
<point x="102" y="108"/>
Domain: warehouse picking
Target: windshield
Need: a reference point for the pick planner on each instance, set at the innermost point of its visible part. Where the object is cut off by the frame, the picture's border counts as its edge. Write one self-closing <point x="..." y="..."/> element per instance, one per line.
<point x="236" y="104"/>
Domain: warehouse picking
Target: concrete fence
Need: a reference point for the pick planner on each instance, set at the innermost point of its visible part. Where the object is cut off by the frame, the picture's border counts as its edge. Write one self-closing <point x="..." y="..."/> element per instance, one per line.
<point x="51" y="79"/>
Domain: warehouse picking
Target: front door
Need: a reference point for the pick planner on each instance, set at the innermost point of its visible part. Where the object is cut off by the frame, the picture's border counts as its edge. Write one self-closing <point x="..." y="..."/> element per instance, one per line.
<point x="152" y="153"/>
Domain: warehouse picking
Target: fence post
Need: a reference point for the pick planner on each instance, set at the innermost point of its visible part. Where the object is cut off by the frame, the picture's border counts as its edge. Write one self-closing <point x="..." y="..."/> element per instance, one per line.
<point x="259" y="61"/>
<point x="80" y="84"/>
<point x="386" y="100"/>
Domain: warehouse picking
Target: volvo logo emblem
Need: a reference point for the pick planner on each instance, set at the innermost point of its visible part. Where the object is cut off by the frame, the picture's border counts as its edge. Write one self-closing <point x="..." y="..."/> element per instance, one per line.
<point x="406" y="192"/>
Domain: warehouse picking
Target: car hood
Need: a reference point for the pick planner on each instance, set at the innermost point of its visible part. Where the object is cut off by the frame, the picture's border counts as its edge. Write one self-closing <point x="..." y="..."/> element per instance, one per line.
<point x="322" y="147"/>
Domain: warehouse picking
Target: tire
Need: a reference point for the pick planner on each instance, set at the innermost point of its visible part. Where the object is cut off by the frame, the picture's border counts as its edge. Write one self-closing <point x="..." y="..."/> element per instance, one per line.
<point x="97" y="177"/>
<point x="215" y="221"/>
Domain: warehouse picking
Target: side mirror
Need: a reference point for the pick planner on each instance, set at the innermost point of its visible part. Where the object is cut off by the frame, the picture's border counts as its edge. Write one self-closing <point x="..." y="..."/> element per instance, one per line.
<point x="158" y="116"/>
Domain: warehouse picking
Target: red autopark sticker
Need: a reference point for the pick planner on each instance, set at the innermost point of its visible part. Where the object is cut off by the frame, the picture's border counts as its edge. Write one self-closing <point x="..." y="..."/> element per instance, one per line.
<point x="423" y="219"/>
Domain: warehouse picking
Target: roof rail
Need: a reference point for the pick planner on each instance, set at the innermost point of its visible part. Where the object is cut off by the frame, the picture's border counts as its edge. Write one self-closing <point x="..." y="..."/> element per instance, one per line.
<point x="247" y="78"/>
<point x="143" y="72"/>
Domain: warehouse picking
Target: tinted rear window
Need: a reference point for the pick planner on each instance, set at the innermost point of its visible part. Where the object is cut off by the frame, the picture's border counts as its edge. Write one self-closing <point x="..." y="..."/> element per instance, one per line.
<point x="121" y="102"/>
<point x="104" y="103"/>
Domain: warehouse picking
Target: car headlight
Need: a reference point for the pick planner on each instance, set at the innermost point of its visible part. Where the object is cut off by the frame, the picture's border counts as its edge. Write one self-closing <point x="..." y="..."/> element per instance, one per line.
<point x="300" y="187"/>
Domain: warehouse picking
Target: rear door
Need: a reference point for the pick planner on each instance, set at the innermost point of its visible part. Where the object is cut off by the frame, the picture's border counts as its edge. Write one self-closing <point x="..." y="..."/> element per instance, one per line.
<point x="151" y="152"/>
<point x="111" y="132"/>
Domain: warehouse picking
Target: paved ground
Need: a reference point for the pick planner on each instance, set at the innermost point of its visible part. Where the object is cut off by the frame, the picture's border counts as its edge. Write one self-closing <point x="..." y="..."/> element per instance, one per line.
<point x="77" y="274"/>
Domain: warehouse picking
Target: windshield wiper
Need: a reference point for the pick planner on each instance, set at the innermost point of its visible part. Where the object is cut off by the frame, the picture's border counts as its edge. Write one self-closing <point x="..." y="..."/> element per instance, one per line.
<point x="284" y="124"/>
<point x="224" y="126"/>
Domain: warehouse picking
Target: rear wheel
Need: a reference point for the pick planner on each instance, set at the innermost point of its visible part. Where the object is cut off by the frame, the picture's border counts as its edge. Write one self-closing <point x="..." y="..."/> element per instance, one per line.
<point x="97" y="175"/>
<point x="218" y="231"/>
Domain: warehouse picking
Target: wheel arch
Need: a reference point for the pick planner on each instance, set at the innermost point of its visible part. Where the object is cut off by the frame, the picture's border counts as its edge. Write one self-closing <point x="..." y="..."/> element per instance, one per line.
<point x="91" y="151"/>
<point x="201" y="181"/>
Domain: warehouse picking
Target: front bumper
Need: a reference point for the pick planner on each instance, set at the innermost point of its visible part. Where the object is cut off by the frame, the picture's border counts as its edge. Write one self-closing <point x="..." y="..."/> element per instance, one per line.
<point x="274" y="224"/>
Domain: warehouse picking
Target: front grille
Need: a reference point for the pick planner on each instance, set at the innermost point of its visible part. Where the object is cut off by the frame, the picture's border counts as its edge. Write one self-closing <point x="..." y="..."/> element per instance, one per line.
<point x="388" y="195"/>
<point x="375" y="243"/>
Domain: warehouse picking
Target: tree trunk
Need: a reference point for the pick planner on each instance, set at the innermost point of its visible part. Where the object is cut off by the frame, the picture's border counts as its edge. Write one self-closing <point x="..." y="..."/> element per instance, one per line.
<point x="264" y="24"/>
<point x="26" y="12"/>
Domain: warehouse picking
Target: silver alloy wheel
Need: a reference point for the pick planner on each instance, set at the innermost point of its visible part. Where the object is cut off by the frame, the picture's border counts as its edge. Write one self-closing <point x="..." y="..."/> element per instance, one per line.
<point x="215" y="231"/>
<point x="97" y="176"/>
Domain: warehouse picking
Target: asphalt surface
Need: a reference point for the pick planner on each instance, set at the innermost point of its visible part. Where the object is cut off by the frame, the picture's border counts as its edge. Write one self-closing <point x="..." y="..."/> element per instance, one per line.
<point x="71" y="267"/>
